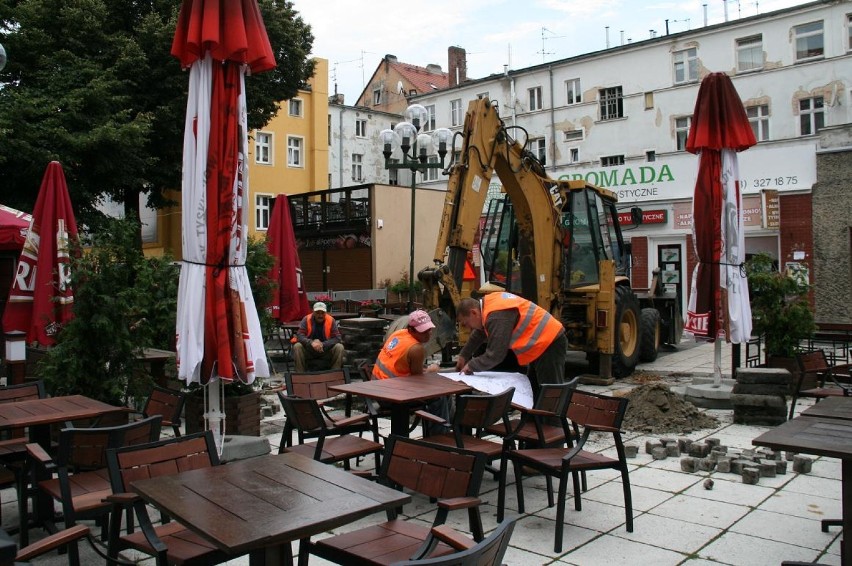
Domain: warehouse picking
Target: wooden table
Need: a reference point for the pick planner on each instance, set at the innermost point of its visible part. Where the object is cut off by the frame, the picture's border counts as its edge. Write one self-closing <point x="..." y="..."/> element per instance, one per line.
<point x="820" y="436"/>
<point x="831" y="408"/>
<point x="260" y="505"/>
<point x="157" y="360"/>
<point x="400" y="392"/>
<point x="38" y="415"/>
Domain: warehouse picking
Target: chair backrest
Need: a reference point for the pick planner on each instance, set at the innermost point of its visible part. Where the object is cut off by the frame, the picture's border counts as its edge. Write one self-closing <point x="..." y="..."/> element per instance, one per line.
<point x="22" y="392"/>
<point x="303" y="415"/>
<point x="430" y="469"/>
<point x="488" y="552"/>
<point x="85" y="448"/>
<point x="314" y="384"/>
<point x="167" y="403"/>
<point x="809" y="365"/>
<point x="480" y="411"/>
<point x="586" y="408"/>
<point x="131" y="463"/>
<point x="553" y="397"/>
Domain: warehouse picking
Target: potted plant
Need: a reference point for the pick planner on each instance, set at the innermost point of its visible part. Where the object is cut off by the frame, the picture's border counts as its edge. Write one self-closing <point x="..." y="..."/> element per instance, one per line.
<point x="371" y="308"/>
<point x="780" y="310"/>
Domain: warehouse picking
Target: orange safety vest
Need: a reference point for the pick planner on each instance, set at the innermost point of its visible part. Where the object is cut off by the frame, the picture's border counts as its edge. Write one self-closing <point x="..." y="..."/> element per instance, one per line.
<point x="536" y="328"/>
<point x="327" y="324"/>
<point x="393" y="357"/>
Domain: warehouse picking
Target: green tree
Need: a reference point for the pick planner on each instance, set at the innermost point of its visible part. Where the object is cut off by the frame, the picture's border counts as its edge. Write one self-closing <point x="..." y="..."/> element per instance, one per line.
<point x="92" y="84"/>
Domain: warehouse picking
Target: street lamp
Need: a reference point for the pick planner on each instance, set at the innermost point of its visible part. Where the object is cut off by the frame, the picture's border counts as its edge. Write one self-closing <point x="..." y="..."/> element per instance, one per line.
<point x="416" y="149"/>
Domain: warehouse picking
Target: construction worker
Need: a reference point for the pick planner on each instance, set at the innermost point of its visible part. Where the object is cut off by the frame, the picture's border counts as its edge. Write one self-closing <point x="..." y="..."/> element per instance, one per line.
<point x="318" y="338"/>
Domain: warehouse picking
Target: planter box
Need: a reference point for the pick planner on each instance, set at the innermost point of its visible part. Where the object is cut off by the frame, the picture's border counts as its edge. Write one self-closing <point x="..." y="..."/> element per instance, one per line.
<point x="242" y="414"/>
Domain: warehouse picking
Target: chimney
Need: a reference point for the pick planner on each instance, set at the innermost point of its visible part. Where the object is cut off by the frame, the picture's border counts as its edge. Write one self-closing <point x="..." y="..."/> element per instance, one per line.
<point x="457" y="63"/>
<point x="390" y="58"/>
<point x="434" y="68"/>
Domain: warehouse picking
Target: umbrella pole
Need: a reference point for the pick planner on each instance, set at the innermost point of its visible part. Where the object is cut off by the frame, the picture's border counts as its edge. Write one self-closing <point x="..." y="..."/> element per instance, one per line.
<point x="213" y="414"/>
<point x="717" y="362"/>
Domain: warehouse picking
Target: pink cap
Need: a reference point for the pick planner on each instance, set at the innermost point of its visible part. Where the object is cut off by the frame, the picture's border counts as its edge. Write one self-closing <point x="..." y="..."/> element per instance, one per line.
<point x="419" y="320"/>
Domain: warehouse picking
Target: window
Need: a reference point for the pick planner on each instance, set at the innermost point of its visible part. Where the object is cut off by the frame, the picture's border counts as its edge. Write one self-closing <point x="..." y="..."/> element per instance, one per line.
<point x="263" y="148"/>
<point x="809" y="41"/>
<point x="811" y="115"/>
<point x="612" y="160"/>
<point x="574" y="135"/>
<point x="758" y="117"/>
<point x="295" y="106"/>
<point x="611" y="103"/>
<point x="377" y="96"/>
<point x="361" y="128"/>
<point x="572" y="91"/>
<point x="431" y="174"/>
<point x="750" y="53"/>
<point x="538" y="148"/>
<point x="575" y="154"/>
<point x="430" y="119"/>
<point x="682" y="131"/>
<point x="455" y="112"/>
<point x="357" y="167"/>
<point x="294" y="151"/>
<point x="393" y="174"/>
<point x="329" y="129"/>
<point x="535" y="98"/>
<point x="649" y="101"/>
<point x="686" y="65"/>
<point x="262" y="210"/>
<point x="483" y="95"/>
<point x="650" y="155"/>
<point x="849" y="32"/>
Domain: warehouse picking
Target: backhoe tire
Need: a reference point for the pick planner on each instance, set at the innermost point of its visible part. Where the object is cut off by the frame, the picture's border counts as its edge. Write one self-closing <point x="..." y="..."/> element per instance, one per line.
<point x="650" y="335"/>
<point x="627" y="320"/>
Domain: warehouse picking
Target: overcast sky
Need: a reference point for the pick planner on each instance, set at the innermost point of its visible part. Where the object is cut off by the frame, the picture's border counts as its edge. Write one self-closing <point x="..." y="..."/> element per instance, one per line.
<point x="354" y="35"/>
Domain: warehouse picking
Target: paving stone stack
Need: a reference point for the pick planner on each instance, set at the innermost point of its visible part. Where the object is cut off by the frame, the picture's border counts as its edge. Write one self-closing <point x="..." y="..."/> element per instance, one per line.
<point x="759" y="396"/>
<point x="363" y="338"/>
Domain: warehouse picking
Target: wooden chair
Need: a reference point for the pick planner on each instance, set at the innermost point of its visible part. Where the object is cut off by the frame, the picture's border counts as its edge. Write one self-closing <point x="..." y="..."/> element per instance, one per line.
<point x="451" y="475"/>
<point x="167" y="403"/>
<point x="814" y="369"/>
<point x="489" y="552"/>
<point x="170" y="542"/>
<point x="13" y="445"/>
<point x="335" y="441"/>
<point x="314" y="385"/>
<point x="474" y="414"/>
<point x="64" y="539"/>
<point x="592" y="413"/>
<point x="80" y="467"/>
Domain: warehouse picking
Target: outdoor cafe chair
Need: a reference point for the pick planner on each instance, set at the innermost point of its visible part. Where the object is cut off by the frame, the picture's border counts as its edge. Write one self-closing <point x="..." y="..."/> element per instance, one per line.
<point x="473" y="415"/>
<point x="13" y="445"/>
<point x="335" y="441"/>
<point x="489" y="552"/>
<point x="169" y="542"/>
<point x="81" y="479"/>
<point x="818" y="379"/>
<point x="591" y="413"/>
<point x="64" y="539"/>
<point x="168" y="403"/>
<point x="450" y="475"/>
<point x="315" y="385"/>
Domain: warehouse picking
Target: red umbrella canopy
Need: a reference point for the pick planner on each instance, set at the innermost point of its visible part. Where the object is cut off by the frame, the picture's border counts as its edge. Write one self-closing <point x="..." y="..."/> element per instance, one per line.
<point x="41" y="298"/>
<point x="14" y="225"/>
<point x="218" y="330"/>
<point x="718" y="299"/>
<point x="289" y="302"/>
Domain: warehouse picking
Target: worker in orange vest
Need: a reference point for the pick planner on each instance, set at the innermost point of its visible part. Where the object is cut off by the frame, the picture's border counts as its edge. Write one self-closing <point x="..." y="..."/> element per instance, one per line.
<point x="504" y="322"/>
<point x="318" y="337"/>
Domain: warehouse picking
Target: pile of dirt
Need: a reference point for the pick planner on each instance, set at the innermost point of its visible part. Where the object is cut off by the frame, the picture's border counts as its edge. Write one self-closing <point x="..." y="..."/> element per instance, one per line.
<point x="654" y="409"/>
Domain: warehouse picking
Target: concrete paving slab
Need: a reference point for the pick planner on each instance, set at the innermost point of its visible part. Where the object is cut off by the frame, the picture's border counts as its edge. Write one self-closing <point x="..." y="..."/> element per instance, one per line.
<point x="803" y="505"/>
<point x="668" y="533"/>
<point x="612" y="549"/>
<point x="644" y="498"/>
<point x="709" y="513"/>
<point x="741" y="550"/>
<point x="786" y="528"/>
<point x="731" y="491"/>
<point x="664" y="480"/>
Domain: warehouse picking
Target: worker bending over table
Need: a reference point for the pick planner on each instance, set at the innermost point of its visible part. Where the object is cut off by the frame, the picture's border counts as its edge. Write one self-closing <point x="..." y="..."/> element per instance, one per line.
<point x="318" y="338"/>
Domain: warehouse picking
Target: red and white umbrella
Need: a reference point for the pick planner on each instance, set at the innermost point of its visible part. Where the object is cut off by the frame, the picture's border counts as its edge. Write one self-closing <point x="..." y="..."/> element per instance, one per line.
<point x="41" y="299"/>
<point x="218" y="330"/>
<point x="289" y="302"/>
<point x="14" y="226"/>
<point x="718" y="300"/>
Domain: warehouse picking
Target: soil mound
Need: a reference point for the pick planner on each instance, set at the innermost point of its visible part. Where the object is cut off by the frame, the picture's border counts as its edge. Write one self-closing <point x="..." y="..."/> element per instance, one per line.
<point x="654" y="409"/>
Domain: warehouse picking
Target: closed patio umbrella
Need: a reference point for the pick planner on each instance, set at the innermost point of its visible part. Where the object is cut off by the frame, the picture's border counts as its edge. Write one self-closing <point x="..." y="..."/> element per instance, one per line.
<point x="41" y="299"/>
<point x="218" y="330"/>
<point x="289" y="302"/>
<point x="718" y="299"/>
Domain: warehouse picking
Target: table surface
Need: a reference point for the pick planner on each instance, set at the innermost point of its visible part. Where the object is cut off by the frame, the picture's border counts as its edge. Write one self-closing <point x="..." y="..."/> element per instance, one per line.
<point x="831" y="408"/>
<point x="405" y="389"/>
<point x="812" y="435"/>
<point x="266" y="501"/>
<point x="51" y="410"/>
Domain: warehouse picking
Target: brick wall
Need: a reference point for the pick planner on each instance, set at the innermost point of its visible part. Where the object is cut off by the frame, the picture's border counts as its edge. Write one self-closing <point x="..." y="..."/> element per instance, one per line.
<point x="797" y="232"/>
<point x="639" y="267"/>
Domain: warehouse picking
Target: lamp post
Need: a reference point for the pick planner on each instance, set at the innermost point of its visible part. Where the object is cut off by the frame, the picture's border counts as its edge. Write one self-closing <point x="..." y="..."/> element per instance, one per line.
<point x="416" y="149"/>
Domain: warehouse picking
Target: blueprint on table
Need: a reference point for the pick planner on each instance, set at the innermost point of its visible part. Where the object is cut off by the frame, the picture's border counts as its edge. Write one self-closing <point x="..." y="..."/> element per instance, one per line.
<point x="494" y="382"/>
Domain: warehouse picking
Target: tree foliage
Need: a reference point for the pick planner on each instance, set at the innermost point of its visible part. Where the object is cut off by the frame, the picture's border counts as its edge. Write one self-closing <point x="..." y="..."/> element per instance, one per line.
<point x="92" y="84"/>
